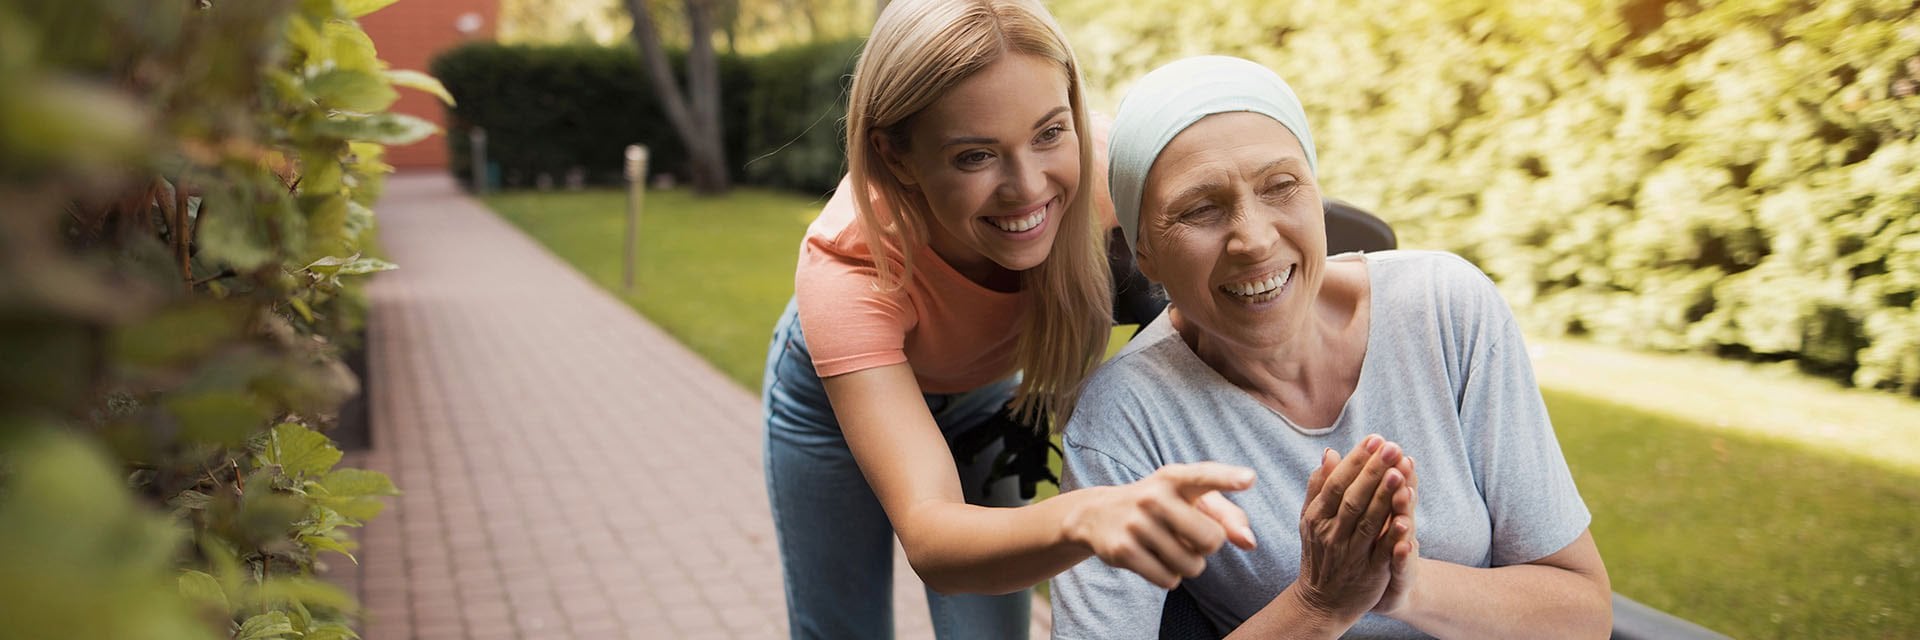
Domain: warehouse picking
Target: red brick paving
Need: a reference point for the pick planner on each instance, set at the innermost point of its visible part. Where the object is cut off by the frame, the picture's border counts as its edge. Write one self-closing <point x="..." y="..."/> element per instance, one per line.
<point x="570" y="471"/>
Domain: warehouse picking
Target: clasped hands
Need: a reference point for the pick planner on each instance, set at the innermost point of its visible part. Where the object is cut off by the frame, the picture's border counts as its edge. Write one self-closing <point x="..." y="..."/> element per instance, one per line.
<point x="1358" y="552"/>
<point x="1357" y="543"/>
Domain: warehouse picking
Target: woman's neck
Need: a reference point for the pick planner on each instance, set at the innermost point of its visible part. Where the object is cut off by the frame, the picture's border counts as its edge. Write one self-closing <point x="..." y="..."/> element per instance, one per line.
<point x="975" y="267"/>
<point x="1309" y="376"/>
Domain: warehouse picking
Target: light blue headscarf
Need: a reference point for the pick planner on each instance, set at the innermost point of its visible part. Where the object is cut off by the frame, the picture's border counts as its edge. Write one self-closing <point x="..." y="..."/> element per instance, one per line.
<point x="1171" y="98"/>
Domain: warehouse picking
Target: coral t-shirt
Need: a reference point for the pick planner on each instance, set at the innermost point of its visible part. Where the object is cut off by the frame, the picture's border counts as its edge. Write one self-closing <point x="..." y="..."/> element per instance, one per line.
<point x="957" y="335"/>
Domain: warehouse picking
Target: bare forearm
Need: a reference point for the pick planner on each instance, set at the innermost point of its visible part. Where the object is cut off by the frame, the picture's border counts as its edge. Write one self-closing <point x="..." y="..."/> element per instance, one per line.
<point x="962" y="548"/>
<point x="1533" y="601"/>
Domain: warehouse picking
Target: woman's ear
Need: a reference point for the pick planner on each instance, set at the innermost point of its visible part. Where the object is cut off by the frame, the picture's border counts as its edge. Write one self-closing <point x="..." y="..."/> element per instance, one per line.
<point x="894" y="158"/>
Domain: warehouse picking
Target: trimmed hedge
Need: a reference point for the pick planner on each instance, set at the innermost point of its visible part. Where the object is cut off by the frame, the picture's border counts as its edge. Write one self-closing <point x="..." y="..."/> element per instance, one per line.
<point x="1734" y="177"/>
<point x="548" y="109"/>
<point x="796" y="116"/>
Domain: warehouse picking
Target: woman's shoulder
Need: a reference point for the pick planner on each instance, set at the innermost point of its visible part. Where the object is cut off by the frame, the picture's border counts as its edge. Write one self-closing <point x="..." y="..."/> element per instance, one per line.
<point x="1417" y="290"/>
<point x="836" y="231"/>
<point x="1441" y="275"/>
<point x="1151" y="369"/>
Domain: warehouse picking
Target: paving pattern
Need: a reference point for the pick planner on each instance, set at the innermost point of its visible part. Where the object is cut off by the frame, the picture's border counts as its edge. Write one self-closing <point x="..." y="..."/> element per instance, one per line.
<point x="570" y="471"/>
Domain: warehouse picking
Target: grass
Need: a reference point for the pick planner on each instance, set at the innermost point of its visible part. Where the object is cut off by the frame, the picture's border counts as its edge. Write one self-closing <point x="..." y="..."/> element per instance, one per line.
<point x="715" y="273"/>
<point x="1757" y="504"/>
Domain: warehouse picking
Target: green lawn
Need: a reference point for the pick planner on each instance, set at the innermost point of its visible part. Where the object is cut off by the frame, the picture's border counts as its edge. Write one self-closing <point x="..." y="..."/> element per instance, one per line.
<point x="714" y="273"/>
<point x="1759" y="505"/>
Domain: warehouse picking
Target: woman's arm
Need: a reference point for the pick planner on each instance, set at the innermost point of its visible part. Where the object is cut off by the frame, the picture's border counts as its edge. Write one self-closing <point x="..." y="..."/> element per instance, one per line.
<point x="1152" y="527"/>
<point x="1566" y="594"/>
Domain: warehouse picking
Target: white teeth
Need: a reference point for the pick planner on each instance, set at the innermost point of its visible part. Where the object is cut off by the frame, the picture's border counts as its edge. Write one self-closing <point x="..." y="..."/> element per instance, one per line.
<point x="1263" y="289"/>
<point x="1023" y="223"/>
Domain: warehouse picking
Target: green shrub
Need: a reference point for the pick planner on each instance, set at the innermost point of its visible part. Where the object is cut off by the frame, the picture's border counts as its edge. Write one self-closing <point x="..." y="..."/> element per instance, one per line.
<point x="797" y="107"/>
<point x="1733" y="177"/>
<point x="186" y="189"/>
<point x="549" y="109"/>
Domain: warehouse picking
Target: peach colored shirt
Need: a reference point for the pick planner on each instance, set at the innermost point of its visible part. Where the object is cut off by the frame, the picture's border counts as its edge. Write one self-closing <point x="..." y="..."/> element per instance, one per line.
<point x="957" y="335"/>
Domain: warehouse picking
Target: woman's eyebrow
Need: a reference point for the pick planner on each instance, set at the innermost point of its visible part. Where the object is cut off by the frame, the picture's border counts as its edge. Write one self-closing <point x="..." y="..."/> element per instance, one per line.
<point x="958" y="140"/>
<point x="1050" y="114"/>
<point x="1194" y="192"/>
<point x="1200" y="190"/>
<point x="1276" y="165"/>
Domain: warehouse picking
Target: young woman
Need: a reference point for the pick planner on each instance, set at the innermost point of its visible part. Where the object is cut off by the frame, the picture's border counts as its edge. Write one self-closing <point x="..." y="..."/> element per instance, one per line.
<point x="964" y="247"/>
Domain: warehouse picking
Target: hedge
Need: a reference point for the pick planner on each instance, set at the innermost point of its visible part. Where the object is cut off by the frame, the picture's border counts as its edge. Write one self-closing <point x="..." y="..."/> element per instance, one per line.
<point x="1733" y="177"/>
<point x="187" y="189"/>
<point x="548" y="109"/>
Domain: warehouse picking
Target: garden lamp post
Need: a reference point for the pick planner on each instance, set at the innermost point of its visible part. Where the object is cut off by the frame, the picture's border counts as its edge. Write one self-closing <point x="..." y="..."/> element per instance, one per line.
<point x="636" y="193"/>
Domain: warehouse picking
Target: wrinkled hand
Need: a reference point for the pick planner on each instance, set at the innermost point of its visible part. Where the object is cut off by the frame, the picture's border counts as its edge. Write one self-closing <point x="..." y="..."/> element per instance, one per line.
<point x="1402" y="570"/>
<point x="1164" y="526"/>
<point x="1345" y="560"/>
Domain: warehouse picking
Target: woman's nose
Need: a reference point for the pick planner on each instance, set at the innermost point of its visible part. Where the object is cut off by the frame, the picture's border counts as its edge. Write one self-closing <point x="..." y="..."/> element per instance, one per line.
<point x="1022" y="181"/>
<point x="1254" y="234"/>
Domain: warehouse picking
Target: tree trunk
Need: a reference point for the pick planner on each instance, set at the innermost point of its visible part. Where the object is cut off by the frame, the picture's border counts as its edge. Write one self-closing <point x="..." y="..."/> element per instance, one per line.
<point x="695" y="115"/>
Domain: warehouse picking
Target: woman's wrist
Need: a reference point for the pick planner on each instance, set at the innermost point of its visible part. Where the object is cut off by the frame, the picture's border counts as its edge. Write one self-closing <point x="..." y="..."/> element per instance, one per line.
<point x="1072" y="530"/>
<point x="1314" y="617"/>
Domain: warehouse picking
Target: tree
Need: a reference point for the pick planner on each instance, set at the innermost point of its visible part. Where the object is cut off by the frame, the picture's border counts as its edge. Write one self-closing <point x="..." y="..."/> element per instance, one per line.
<point x="695" y="114"/>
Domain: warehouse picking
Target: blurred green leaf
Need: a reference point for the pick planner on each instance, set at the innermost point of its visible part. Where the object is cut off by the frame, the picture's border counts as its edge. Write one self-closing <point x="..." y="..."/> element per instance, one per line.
<point x="331" y="631"/>
<point x="352" y="90"/>
<point x="357" y="8"/>
<point x="181" y="333"/>
<point x="421" y="81"/>
<point x="300" y="451"/>
<point x="327" y="543"/>
<point x="200" y="587"/>
<point x="73" y="545"/>
<point x="358" y="482"/>
<point x="312" y="593"/>
<point x="384" y="128"/>
<point x="218" y="416"/>
<point x="350" y="48"/>
<point x="64" y="122"/>
<point x="272" y="625"/>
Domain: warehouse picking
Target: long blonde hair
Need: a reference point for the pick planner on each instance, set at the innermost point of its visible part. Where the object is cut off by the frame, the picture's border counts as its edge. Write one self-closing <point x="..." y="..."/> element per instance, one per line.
<point x="920" y="49"/>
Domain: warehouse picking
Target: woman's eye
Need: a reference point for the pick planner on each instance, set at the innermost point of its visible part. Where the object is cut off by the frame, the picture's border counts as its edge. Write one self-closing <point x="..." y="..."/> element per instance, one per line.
<point x="1199" y="213"/>
<point x="1052" y="133"/>
<point x="1283" y="188"/>
<point x="974" y="158"/>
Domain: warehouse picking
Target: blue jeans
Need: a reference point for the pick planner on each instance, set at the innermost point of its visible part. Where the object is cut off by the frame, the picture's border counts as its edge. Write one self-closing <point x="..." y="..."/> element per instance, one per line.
<point x="836" y="544"/>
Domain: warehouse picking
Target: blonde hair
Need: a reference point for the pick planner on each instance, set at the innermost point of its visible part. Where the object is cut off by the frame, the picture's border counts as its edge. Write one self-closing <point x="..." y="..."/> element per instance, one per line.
<point x="918" y="51"/>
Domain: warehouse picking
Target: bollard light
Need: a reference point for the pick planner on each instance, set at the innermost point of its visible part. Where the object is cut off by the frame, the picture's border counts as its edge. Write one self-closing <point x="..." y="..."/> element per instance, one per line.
<point x="477" y="150"/>
<point x="636" y="193"/>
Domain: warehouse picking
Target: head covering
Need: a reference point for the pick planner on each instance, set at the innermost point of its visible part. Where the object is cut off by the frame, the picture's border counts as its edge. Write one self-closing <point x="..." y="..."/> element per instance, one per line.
<point x="1171" y="98"/>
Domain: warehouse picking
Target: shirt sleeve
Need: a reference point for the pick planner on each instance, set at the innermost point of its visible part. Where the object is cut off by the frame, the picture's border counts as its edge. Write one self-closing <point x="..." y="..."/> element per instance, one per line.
<point x="1531" y="499"/>
<point x="849" y="323"/>
<point x="1095" y="601"/>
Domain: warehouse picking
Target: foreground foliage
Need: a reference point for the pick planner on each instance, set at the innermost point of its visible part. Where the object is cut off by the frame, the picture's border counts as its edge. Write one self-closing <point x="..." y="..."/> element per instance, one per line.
<point x="186" y="187"/>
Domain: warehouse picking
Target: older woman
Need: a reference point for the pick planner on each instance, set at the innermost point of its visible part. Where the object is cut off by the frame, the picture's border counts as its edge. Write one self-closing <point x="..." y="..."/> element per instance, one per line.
<point x="1276" y="357"/>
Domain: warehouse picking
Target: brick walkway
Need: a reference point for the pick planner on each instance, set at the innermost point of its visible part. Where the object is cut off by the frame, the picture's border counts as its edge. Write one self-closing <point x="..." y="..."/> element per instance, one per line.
<point x="570" y="471"/>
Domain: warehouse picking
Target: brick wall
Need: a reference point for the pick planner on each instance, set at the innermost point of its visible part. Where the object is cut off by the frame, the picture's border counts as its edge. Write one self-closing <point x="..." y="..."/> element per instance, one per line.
<point x="408" y="34"/>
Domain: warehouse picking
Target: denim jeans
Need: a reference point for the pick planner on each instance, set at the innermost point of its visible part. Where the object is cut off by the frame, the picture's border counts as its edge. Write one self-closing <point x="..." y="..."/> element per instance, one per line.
<point x="836" y="544"/>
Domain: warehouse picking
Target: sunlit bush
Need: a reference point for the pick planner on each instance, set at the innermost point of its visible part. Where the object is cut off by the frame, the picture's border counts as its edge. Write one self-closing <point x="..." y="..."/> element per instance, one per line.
<point x="1732" y="177"/>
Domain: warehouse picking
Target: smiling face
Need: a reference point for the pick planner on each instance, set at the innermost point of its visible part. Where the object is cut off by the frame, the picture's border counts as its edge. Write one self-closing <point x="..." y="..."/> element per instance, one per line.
<point x="1231" y="225"/>
<point x="997" y="160"/>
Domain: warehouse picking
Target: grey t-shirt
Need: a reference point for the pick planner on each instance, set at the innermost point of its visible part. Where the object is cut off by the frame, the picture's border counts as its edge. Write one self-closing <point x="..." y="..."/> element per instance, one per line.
<point x="1445" y="375"/>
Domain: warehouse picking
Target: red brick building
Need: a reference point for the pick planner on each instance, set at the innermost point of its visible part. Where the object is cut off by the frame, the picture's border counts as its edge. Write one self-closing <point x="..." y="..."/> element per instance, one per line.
<point x="408" y="34"/>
